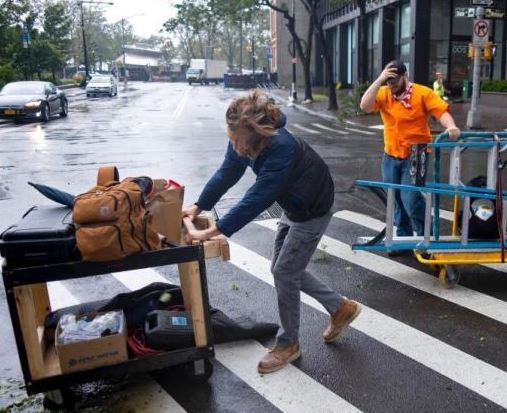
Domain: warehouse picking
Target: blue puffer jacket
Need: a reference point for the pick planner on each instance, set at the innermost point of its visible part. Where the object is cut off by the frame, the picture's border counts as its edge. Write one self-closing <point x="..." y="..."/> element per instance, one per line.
<point x="288" y="171"/>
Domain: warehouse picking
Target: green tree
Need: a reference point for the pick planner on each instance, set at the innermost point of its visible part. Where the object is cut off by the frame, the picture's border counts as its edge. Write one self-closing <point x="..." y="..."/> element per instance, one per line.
<point x="46" y="57"/>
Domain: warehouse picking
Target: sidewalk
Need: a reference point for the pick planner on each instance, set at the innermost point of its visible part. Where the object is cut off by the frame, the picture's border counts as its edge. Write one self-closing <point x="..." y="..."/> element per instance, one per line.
<point x="492" y="118"/>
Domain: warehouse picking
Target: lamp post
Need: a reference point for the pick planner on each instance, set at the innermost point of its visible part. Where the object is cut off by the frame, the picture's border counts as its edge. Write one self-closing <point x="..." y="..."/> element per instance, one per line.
<point x="294" y="96"/>
<point x="85" y="49"/>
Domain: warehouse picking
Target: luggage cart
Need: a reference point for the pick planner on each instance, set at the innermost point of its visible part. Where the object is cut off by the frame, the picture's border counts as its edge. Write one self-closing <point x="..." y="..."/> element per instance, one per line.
<point x="28" y="302"/>
<point x="443" y="252"/>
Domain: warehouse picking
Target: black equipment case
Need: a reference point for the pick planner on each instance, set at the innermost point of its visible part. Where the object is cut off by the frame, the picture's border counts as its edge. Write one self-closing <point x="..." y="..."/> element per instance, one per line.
<point x="45" y="234"/>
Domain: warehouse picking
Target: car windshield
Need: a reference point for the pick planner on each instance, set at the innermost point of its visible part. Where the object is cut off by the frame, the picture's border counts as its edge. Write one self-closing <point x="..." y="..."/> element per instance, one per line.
<point x="192" y="71"/>
<point x="100" y="80"/>
<point x="22" y="88"/>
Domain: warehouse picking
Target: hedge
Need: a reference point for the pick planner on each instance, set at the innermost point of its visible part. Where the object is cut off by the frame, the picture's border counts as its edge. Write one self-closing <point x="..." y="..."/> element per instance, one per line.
<point x="494" y="86"/>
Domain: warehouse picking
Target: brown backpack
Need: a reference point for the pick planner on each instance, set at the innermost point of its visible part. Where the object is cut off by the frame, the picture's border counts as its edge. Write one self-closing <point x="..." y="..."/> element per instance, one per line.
<point x="112" y="222"/>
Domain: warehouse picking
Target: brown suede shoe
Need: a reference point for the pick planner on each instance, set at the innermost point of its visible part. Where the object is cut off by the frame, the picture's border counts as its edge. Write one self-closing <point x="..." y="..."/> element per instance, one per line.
<point x="277" y="358"/>
<point x="347" y="312"/>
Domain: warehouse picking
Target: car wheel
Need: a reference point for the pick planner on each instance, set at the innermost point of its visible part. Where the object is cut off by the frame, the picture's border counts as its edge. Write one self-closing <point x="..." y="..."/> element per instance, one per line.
<point x="45" y="112"/>
<point x="64" y="108"/>
<point x="87" y="95"/>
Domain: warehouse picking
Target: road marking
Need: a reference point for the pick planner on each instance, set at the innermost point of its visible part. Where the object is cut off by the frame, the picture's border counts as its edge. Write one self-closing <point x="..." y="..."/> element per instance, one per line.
<point x="472" y="300"/>
<point x="289" y="389"/>
<point x="307" y="130"/>
<point x="243" y="363"/>
<point x="476" y="375"/>
<point x="379" y="127"/>
<point x="326" y="128"/>
<point x="352" y="123"/>
<point x="179" y="109"/>
<point x="364" y="132"/>
<point x="150" y="395"/>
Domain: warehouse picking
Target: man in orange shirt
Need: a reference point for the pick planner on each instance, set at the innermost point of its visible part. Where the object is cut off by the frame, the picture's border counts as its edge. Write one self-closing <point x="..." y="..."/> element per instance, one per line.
<point x="405" y="108"/>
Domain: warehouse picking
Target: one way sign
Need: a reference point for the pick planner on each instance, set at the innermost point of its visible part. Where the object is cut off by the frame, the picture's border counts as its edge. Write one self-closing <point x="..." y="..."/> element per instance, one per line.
<point x="483" y="2"/>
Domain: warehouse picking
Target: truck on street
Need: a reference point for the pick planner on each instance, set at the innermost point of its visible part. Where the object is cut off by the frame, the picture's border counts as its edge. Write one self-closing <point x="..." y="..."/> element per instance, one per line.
<point x="206" y="71"/>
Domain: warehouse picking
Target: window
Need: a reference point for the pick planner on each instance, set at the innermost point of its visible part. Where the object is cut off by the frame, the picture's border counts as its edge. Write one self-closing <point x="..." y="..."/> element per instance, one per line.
<point x="373" y="47"/>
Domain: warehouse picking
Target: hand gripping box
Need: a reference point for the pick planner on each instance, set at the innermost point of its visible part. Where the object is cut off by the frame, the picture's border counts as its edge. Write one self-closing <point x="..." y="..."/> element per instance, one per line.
<point x="96" y="352"/>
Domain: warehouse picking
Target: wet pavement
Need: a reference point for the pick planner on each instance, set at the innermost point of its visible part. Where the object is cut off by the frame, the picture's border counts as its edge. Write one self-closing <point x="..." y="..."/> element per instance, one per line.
<point x="414" y="345"/>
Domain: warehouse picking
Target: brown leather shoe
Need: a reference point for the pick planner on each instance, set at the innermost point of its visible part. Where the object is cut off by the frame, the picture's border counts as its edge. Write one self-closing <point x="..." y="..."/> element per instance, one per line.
<point x="347" y="312"/>
<point x="277" y="358"/>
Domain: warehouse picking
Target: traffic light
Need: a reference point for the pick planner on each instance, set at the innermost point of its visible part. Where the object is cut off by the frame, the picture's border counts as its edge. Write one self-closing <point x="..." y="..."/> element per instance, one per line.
<point x="488" y="52"/>
<point x="471" y="50"/>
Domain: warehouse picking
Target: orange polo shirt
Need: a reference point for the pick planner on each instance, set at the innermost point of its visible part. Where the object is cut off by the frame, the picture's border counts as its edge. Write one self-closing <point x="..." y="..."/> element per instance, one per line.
<point x="403" y="126"/>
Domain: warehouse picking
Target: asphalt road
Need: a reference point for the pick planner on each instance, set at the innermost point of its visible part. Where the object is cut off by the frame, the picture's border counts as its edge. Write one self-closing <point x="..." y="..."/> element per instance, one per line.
<point x="416" y="346"/>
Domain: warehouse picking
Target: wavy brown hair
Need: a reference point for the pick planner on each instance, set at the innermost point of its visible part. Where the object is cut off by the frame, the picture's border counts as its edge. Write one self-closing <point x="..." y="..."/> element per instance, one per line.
<point x="256" y="116"/>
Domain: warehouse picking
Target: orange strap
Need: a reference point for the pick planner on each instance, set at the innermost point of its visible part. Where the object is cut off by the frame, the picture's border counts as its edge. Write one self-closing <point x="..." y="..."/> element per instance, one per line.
<point x="107" y="174"/>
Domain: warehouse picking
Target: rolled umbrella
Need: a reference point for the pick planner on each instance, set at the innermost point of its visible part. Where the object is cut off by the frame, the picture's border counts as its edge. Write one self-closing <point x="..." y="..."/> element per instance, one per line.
<point x="55" y="194"/>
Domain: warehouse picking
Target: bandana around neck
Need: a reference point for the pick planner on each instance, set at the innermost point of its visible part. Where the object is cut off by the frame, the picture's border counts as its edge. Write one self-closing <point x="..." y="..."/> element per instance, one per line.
<point x="404" y="97"/>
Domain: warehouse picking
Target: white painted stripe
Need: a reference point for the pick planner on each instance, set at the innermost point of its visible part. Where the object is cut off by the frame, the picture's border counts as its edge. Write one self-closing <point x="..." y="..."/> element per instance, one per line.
<point x="244" y="365"/>
<point x="59" y="296"/>
<point x="326" y="128"/>
<point x="289" y="389"/>
<point x="472" y="300"/>
<point x="148" y="396"/>
<point x="179" y="109"/>
<point x="378" y="127"/>
<point x="364" y="132"/>
<point x="352" y="123"/>
<point x="307" y="130"/>
<point x="476" y="375"/>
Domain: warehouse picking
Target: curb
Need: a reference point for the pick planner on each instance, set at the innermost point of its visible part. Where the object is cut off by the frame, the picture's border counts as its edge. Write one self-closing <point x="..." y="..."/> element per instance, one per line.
<point x="304" y="109"/>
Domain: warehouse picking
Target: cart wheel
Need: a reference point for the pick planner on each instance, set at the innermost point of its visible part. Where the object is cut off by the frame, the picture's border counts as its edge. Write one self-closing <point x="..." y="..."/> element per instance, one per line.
<point x="58" y="400"/>
<point x="198" y="371"/>
<point x="448" y="276"/>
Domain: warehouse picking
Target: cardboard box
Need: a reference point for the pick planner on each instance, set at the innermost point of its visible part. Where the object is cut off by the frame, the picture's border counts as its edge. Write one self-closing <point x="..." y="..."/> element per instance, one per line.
<point x="166" y="205"/>
<point x="89" y="354"/>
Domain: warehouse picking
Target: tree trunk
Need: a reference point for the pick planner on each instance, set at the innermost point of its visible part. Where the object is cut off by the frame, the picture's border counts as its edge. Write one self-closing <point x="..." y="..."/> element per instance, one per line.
<point x="333" y="103"/>
<point x="363" y="42"/>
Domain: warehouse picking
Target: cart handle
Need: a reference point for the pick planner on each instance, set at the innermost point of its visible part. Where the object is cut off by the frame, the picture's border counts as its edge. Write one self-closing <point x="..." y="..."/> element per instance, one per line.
<point x="444" y="137"/>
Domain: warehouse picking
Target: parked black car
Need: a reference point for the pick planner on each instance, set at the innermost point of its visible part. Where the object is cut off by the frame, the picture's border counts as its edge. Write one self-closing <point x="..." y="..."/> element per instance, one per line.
<point x="32" y="100"/>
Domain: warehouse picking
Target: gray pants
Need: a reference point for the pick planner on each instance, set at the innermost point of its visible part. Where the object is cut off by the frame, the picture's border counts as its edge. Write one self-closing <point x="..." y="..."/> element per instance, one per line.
<point x="295" y="244"/>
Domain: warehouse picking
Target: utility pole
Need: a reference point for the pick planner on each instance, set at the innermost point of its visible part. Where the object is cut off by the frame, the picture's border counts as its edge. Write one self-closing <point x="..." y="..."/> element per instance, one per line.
<point x="293" y="96"/>
<point x="125" y="74"/>
<point x="253" y="57"/>
<point x="123" y="52"/>
<point x="85" y="49"/>
<point x="474" y="116"/>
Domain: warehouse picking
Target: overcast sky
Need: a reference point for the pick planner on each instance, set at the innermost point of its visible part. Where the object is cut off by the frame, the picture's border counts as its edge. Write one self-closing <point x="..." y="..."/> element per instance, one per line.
<point x="156" y="12"/>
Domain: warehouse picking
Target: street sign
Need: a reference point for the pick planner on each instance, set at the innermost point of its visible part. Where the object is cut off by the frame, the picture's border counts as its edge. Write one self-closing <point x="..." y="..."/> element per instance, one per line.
<point x="494" y="13"/>
<point x="483" y="2"/>
<point x="464" y="12"/>
<point x="481" y="32"/>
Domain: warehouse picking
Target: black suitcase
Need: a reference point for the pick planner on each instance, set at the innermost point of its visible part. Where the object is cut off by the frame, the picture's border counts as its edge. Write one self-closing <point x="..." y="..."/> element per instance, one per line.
<point x="45" y="234"/>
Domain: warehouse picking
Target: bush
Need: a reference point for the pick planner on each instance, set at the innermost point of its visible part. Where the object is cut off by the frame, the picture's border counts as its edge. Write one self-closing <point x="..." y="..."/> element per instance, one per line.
<point x="7" y="74"/>
<point x="350" y="99"/>
<point x="494" y="86"/>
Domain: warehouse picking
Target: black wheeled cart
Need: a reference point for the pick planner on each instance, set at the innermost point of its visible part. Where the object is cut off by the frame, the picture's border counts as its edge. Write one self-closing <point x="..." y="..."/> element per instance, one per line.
<point x="28" y="302"/>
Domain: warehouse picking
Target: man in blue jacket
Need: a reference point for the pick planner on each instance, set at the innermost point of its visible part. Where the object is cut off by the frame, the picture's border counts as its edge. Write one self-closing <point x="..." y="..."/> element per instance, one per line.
<point x="291" y="173"/>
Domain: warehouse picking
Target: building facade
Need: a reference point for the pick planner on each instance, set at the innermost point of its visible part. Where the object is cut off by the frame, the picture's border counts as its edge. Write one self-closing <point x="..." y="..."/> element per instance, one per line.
<point x="427" y="35"/>
<point x="281" y="42"/>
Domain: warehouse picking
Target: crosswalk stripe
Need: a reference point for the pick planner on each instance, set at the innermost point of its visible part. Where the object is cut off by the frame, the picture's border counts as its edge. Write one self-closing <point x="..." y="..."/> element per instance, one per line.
<point x="378" y="127"/>
<point x="290" y="390"/>
<point x="480" y="303"/>
<point x="302" y="391"/>
<point x="326" y="128"/>
<point x="307" y="130"/>
<point x="364" y="132"/>
<point x="473" y="300"/>
<point x="476" y="375"/>
<point x="150" y="396"/>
